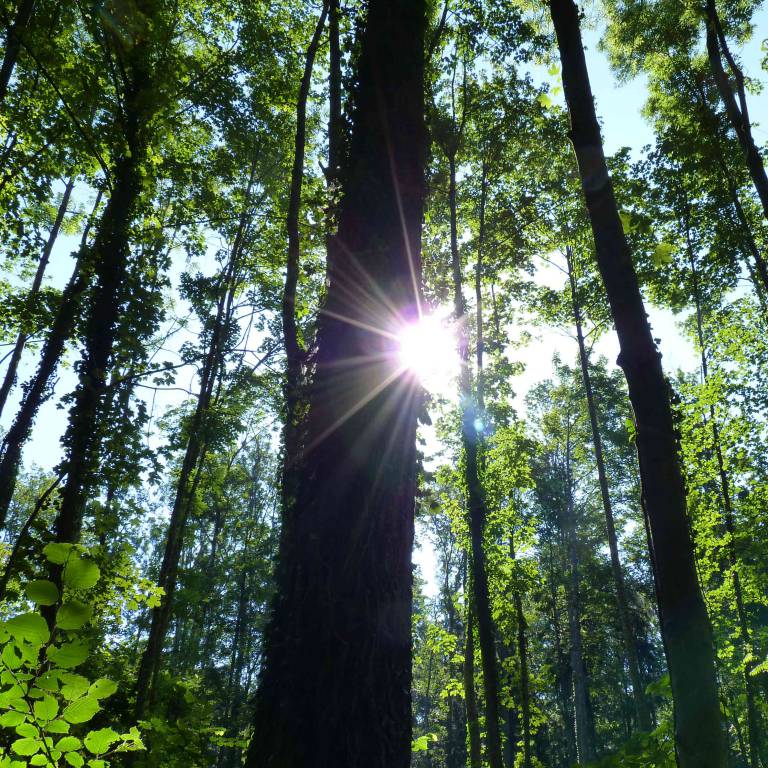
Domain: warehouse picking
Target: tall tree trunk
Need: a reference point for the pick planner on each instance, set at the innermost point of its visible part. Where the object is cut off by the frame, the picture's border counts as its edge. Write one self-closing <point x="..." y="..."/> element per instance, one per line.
<point x="522" y="655"/>
<point x="470" y="697"/>
<point x="585" y="731"/>
<point x="294" y="353"/>
<point x="13" y="43"/>
<point x="685" y="625"/>
<point x="475" y="498"/>
<point x="39" y="389"/>
<point x="21" y="339"/>
<point x="335" y="684"/>
<point x="738" y="113"/>
<point x="642" y="711"/>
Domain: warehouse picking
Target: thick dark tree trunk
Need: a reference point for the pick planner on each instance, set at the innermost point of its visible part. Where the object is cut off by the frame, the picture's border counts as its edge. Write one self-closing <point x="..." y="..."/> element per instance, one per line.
<point x="335" y="685"/>
<point x="738" y="113"/>
<point x="13" y="43"/>
<point x="585" y="729"/>
<point x="685" y="625"/>
<point x="475" y="499"/>
<point x="642" y="711"/>
<point x="21" y="339"/>
<point x="294" y="352"/>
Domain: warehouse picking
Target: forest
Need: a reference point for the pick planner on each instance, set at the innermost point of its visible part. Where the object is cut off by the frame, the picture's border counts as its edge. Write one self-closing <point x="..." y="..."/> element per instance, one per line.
<point x="380" y="383"/>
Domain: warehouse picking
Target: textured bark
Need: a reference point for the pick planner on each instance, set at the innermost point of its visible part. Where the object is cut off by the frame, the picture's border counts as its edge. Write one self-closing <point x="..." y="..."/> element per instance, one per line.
<point x="476" y="499"/>
<point x="685" y="625"/>
<point x="737" y="111"/>
<point x="335" y="684"/>
<point x="13" y="44"/>
<point x="21" y="339"/>
<point x="294" y="353"/>
<point x="642" y="711"/>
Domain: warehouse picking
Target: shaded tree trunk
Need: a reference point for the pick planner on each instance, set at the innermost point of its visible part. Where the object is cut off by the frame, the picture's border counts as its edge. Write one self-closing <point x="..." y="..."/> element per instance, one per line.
<point x="13" y="43"/>
<point x="21" y="339"/>
<point x="642" y="711"/>
<point x="335" y="684"/>
<point x="475" y="499"/>
<point x="738" y="113"/>
<point x="685" y="625"/>
<point x="470" y="696"/>
<point x="294" y="352"/>
<point x="585" y="729"/>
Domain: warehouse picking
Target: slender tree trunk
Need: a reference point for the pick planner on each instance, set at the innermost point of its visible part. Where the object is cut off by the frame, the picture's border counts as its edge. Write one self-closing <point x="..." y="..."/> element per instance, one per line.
<point x="470" y="696"/>
<point x="642" y="711"/>
<point x="13" y="44"/>
<point x="685" y="625"/>
<point x="522" y="654"/>
<point x="476" y="500"/>
<point x="294" y="353"/>
<point x="21" y="339"/>
<point x="738" y="113"/>
<point x="335" y="684"/>
<point x="585" y="732"/>
<point x="189" y="475"/>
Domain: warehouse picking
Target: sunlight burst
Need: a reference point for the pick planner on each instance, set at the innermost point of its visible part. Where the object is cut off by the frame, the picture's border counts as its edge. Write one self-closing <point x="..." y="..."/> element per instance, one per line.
<point x="427" y="348"/>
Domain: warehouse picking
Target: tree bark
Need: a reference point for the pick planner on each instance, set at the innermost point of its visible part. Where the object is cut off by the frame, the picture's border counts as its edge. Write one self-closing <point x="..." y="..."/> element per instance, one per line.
<point x="685" y="625"/>
<point x="294" y="353"/>
<point x="470" y="697"/>
<point x="738" y="113"/>
<point x="13" y="44"/>
<point x="21" y="339"/>
<point x="335" y="684"/>
<point x="475" y="498"/>
<point x="585" y="730"/>
<point x="642" y="711"/>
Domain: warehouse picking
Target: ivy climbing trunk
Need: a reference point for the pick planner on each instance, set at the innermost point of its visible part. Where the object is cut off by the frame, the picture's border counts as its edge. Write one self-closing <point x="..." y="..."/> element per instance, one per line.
<point x="335" y="683"/>
<point x="38" y="389"/>
<point x="685" y="626"/>
<point x="470" y="696"/>
<point x="37" y="281"/>
<point x="642" y="710"/>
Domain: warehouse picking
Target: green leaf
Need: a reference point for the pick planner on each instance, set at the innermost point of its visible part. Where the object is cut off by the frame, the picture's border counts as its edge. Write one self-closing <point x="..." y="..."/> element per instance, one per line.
<point x="68" y="744"/>
<point x="662" y="254"/>
<point x="46" y="709"/>
<point x="11" y="719"/>
<point x="30" y="627"/>
<point x="81" y="573"/>
<point x="48" y="681"/>
<point x="99" y="742"/>
<point x="57" y="553"/>
<point x="68" y="655"/>
<point x="627" y="221"/>
<point x="10" y="657"/>
<point x="56" y="726"/>
<point x="75" y="759"/>
<point x="28" y="730"/>
<point x="74" y="686"/>
<point x="82" y="710"/>
<point x="39" y="759"/>
<point x="73" y="614"/>
<point x="544" y="100"/>
<point x="26" y="747"/>
<point x="553" y="70"/>
<point x="103" y="688"/>
<point x="42" y="592"/>
<point x="97" y="764"/>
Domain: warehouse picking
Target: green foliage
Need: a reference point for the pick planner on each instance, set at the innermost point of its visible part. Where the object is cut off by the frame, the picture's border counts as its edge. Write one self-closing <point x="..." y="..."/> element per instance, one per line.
<point x="42" y="698"/>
